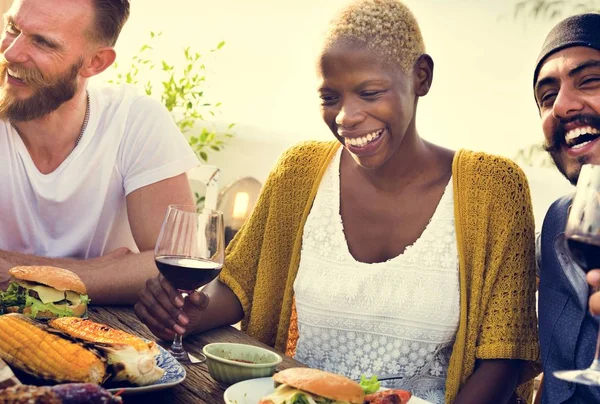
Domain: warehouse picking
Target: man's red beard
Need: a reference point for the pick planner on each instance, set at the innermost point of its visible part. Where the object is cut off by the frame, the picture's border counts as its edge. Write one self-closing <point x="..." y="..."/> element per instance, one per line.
<point x="48" y="94"/>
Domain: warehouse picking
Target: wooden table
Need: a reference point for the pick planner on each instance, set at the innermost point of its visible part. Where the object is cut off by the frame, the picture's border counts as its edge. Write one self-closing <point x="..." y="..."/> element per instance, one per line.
<point x="198" y="387"/>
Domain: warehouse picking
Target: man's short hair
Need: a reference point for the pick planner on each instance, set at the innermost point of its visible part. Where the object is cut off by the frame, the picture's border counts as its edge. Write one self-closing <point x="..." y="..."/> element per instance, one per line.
<point x="109" y="18"/>
<point x="387" y="27"/>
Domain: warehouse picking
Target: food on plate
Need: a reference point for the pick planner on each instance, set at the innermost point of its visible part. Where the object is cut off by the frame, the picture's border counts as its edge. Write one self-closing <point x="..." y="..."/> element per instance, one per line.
<point x="313" y="386"/>
<point x="44" y="292"/>
<point x="71" y="349"/>
<point x="130" y="358"/>
<point x="7" y="377"/>
<point x="34" y="348"/>
<point x="89" y="330"/>
<point x="71" y="393"/>
<point x="388" y="397"/>
<point x="374" y="396"/>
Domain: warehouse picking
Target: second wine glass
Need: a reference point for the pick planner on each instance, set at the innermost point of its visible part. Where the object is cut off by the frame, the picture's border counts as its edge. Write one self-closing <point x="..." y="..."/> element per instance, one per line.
<point x="583" y="240"/>
<point x="189" y="253"/>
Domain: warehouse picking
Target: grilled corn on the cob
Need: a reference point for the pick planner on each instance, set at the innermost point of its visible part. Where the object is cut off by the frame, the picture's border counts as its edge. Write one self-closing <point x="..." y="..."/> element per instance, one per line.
<point x="30" y="346"/>
<point x="129" y="357"/>
<point x="101" y="333"/>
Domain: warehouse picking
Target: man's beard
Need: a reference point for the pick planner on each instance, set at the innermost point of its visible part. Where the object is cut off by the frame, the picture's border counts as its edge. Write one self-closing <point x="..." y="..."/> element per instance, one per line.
<point x="558" y="141"/>
<point x="48" y="96"/>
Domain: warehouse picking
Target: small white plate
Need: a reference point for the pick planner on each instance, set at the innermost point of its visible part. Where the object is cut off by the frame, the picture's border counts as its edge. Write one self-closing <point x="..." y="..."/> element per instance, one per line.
<point x="174" y="374"/>
<point x="251" y="391"/>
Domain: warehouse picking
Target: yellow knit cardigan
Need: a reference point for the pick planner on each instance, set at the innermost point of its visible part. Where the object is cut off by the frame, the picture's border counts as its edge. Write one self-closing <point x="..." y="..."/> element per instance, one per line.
<point x="495" y="240"/>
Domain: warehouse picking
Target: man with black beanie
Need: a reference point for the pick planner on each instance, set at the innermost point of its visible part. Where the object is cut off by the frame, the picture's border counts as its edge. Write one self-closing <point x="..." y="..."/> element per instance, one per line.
<point x="567" y="92"/>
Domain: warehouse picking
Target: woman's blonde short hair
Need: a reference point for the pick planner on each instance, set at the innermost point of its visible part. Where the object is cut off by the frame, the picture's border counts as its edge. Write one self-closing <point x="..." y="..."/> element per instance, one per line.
<point x="387" y="27"/>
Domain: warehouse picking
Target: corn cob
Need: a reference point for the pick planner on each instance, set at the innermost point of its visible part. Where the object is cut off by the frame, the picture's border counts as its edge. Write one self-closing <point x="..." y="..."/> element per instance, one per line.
<point x="29" y="345"/>
<point x="100" y="333"/>
<point x="130" y="358"/>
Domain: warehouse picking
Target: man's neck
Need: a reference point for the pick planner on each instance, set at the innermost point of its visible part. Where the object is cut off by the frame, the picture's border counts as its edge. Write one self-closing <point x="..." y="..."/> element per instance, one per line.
<point x="51" y="139"/>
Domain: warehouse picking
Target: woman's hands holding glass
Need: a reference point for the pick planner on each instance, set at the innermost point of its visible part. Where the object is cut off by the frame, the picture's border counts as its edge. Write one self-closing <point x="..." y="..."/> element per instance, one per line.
<point x="166" y="312"/>
<point x="189" y="253"/>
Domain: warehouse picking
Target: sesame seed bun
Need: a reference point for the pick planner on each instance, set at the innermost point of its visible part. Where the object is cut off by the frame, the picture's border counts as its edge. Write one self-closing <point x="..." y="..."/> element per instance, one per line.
<point x="324" y="384"/>
<point x="58" y="278"/>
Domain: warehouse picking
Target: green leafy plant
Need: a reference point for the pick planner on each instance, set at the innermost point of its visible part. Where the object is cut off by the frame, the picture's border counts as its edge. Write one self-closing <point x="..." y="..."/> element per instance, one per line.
<point x="181" y="89"/>
<point x="554" y="9"/>
<point x="533" y="155"/>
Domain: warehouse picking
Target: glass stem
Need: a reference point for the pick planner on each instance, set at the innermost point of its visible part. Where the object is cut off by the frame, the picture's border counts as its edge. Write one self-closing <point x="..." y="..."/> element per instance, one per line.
<point x="596" y="363"/>
<point x="177" y="348"/>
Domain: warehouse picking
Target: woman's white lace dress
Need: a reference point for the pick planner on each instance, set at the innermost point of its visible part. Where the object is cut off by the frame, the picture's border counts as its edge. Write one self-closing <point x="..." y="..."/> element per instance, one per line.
<point x="394" y="317"/>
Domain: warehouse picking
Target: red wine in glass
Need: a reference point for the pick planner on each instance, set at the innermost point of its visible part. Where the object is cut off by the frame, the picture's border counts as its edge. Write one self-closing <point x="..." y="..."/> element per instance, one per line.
<point x="583" y="240"/>
<point x="189" y="253"/>
<point x="585" y="250"/>
<point x="186" y="273"/>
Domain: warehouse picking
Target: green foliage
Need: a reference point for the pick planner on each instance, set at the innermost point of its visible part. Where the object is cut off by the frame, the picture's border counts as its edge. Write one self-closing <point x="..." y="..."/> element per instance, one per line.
<point x="554" y="9"/>
<point x="533" y="156"/>
<point x="199" y="199"/>
<point x="181" y="91"/>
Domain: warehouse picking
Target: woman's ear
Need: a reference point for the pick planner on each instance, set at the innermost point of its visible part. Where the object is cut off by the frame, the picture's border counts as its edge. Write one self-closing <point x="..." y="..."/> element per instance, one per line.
<point x="423" y="74"/>
<point x="101" y="59"/>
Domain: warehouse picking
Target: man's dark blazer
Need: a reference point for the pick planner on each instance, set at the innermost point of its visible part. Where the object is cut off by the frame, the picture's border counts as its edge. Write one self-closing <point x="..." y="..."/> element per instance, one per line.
<point x="567" y="331"/>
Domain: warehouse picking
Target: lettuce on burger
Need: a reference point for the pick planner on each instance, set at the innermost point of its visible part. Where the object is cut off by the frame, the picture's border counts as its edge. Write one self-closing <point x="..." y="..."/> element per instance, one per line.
<point x="313" y="386"/>
<point x="44" y="292"/>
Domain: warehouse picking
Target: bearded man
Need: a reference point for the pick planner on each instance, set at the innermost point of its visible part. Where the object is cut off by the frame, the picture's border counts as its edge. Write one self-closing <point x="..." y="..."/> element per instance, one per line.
<point x="86" y="175"/>
<point x="567" y="92"/>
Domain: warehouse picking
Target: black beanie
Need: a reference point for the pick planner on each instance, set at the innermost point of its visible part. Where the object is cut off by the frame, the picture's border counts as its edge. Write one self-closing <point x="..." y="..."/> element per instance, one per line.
<point x="579" y="30"/>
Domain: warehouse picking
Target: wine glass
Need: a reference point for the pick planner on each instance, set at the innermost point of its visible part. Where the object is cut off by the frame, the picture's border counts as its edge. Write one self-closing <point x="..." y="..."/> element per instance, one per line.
<point x="189" y="253"/>
<point x="583" y="240"/>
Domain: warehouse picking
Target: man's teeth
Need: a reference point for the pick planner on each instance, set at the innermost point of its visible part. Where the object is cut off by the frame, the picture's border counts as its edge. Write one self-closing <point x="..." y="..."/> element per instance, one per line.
<point x="14" y="74"/>
<point x="364" y="140"/>
<point x="580" y="145"/>
<point x="579" y="137"/>
<point x="574" y="133"/>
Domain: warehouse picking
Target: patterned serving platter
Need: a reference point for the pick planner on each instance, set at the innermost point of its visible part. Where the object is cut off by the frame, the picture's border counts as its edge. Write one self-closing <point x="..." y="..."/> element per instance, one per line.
<point x="174" y="374"/>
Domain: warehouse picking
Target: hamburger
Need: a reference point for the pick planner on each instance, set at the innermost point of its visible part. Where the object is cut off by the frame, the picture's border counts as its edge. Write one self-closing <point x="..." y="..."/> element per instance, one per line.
<point x="44" y="292"/>
<point x="307" y="386"/>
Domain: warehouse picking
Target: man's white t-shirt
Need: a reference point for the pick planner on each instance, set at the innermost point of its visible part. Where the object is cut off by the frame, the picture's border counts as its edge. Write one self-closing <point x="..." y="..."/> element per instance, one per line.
<point x="79" y="210"/>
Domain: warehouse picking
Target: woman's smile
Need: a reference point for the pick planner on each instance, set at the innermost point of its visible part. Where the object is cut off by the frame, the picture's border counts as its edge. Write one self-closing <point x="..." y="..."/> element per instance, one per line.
<point x="366" y="144"/>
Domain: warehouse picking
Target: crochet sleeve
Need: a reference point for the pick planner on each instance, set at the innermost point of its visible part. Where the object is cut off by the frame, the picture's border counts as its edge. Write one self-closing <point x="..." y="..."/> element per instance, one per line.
<point x="241" y="256"/>
<point x="243" y="253"/>
<point x="509" y="323"/>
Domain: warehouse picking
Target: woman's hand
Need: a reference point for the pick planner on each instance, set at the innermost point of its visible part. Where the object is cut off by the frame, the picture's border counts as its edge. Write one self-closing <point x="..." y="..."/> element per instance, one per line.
<point x="593" y="278"/>
<point x="165" y="312"/>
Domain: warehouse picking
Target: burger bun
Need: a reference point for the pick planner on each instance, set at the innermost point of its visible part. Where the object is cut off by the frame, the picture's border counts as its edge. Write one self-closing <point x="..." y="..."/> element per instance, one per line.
<point x="57" y="278"/>
<point x="321" y="383"/>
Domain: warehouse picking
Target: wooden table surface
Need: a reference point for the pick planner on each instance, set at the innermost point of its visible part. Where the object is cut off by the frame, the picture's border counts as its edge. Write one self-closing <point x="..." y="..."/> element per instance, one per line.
<point x="198" y="387"/>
